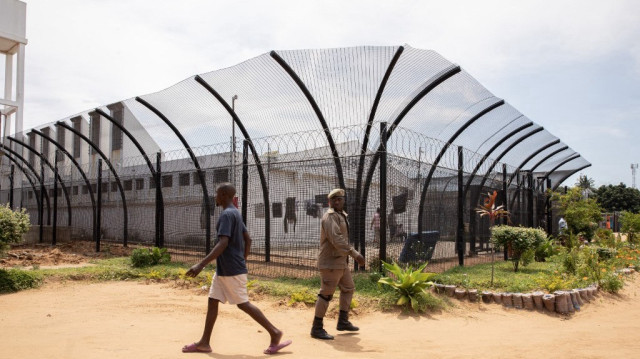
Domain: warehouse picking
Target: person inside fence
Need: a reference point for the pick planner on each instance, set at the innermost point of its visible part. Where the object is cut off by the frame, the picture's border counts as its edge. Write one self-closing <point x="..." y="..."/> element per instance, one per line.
<point x="229" y="283"/>
<point x="334" y="267"/>
<point x="562" y="225"/>
<point x="375" y="225"/>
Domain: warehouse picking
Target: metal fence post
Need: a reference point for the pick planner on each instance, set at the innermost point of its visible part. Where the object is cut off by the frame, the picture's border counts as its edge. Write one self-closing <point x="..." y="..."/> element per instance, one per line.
<point x="460" y="232"/>
<point x="42" y="189"/>
<point x="383" y="194"/>
<point x="11" y="186"/>
<point x="549" y="209"/>
<point x="245" y="179"/>
<point x="159" y="203"/>
<point x="530" y="199"/>
<point x="55" y="200"/>
<point x="505" y="198"/>
<point x="99" y="206"/>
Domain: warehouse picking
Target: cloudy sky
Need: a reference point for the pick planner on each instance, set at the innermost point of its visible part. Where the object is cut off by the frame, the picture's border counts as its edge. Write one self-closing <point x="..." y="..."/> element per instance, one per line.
<point x="571" y="66"/>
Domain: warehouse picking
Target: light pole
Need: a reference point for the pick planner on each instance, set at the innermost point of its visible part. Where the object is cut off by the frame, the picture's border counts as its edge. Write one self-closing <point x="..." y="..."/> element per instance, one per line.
<point x="233" y="141"/>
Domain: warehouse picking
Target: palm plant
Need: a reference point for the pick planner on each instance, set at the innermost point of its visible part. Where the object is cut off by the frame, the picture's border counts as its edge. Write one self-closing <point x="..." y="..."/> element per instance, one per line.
<point x="490" y="209"/>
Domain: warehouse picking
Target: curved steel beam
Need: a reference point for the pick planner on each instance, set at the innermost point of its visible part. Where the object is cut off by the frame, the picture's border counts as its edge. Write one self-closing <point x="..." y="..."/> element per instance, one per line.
<point x="35" y="173"/>
<point x="46" y="162"/>
<point x="569" y="175"/>
<point x="431" y="84"/>
<point x="33" y="185"/>
<point x="113" y="170"/>
<point x="193" y="157"/>
<point x="569" y="159"/>
<point x="159" y="221"/>
<point x="530" y="157"/>
<point x="548" y="157"/>
<point x="316" y="109"/>
<point x="486" y="156"/>
<point x="360" y="225"/>
<point x="434" y="165"/>
<point x="75" y="163"/>
<point x="256" y="158"/>
<point x="131" y="137"/>
<point x="495" y="162"/>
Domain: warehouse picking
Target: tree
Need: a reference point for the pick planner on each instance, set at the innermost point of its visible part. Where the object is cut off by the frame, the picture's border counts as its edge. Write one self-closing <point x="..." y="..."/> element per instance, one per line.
<point x="582" y="214"/>
<point x="618" y="198"/>
<point x="585" y="182"/>
<point x="12" y="226"/>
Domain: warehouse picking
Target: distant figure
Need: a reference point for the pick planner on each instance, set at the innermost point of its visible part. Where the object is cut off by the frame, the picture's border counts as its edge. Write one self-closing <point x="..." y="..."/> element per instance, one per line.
<point x="562" y="225"/>
<point x="229" y="283"/>
<point x="375" y="225"/>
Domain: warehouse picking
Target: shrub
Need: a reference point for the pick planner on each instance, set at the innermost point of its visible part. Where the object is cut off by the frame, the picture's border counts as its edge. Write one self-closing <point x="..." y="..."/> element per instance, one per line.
<point x="582" y="214"/>
<point x="630" y="224"/>
<point x="606" y="238"/>
<point x="144" y="257"/>
<point x="13" y="224"/>
<point x="410" y="285"/>
<point x="518" y="241"/>
<point x="13" y="280"/>
<point x="545" y="250"/>
<point x="611" y="283"/>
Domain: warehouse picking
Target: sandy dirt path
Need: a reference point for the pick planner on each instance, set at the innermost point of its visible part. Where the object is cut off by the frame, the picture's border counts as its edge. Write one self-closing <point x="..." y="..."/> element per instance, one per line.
<point x="137" y="320"/>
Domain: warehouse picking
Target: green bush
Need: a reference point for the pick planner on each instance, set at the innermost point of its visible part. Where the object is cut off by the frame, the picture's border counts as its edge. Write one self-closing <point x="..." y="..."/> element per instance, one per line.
<point x="545" y="250"/>
<point x="519" y="241"/>
<point x="13" y="280"/>
<point x="611" y="283"/>
<point x="630" y="224"/>
<point x="582" y="214"/>
<point x="144" y="257"/>
<point x="410" y="285"/>
<point x="606" y="238"/>
<point x="13" y="224"/>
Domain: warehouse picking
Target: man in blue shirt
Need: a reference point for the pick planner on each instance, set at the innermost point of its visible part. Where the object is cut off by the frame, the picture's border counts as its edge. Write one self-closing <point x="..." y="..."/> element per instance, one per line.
<point x="229" y="283"/>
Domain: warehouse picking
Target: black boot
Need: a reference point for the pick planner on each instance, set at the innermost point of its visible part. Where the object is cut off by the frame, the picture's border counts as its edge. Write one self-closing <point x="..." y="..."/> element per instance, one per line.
<point x="317" y="330"/>
<point x="344" y="323"/>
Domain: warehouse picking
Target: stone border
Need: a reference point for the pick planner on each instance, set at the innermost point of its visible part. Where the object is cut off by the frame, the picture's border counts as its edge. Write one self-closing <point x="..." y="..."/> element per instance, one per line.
<point x="560" y="301"/>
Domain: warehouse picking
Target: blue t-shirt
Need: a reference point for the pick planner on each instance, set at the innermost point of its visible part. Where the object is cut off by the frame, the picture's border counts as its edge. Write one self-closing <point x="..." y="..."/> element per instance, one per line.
<point x="231" y="262"/>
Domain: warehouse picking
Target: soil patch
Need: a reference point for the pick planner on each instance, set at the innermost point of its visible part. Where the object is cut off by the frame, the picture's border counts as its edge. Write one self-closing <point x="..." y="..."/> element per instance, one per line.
<point x="70" y="254"/>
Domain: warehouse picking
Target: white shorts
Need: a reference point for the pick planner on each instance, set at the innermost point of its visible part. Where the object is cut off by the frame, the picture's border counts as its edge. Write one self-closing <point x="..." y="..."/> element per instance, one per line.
<point x="232" y="289"/>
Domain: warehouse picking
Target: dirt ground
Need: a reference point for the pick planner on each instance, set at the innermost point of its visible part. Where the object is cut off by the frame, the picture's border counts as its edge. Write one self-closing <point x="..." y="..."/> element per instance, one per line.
<point x="68" y="254"/>
<point x="136" y="320"/>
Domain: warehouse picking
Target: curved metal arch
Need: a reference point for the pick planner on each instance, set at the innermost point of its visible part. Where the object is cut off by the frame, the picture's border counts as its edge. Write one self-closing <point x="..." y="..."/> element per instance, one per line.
<point x="130" y="136"/>
<point x="569" y="175"/>
<point x="46" y="162"/>
<point x="434" y="165"/>
<point x="75" y="163"/>
<point x="113" y="170"/>
<point x="495" y="162"/>
<point x="316" y="109"/>
<point x="432" y="83"/>
<point x="569" y="159"/>
<point x="147" y="160"/>
<point x="193" y="157"/>
<point x="548" y="157"/>
<point x="35" y="173"/>
<point x="256" y="158"/>
<point x="360" y="224"/>
<point x="530" y="157"/>
<point x="486" y="156"/>
<point x="33" y="185"/>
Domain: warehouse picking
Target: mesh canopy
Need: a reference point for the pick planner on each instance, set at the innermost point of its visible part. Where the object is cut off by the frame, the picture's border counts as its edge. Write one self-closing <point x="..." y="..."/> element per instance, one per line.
<point x="311" y="120"/>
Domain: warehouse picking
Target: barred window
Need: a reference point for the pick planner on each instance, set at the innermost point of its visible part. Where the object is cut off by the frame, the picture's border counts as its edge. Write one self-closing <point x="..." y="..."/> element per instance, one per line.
<point x="185" y="179"/>
<point x="167" y="181"/>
